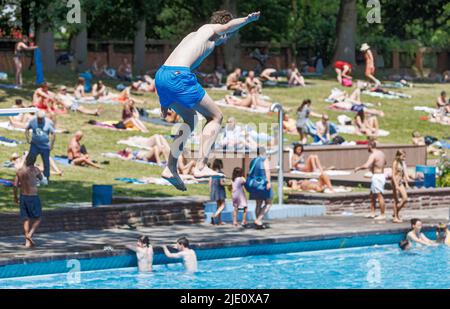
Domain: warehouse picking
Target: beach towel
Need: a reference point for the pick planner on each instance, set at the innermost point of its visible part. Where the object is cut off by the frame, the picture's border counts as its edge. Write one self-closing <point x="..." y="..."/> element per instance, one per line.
<point x="160" y="181"/>
<point x="352" y="130"/>
<point x="6" y="183"/>
<point x="156" y="121"/>
<point x="328" y="173"/>
<point x="109" y="125"/>
<point x="7" y="126"/>
<point x="425" y="109"/>
<point x="39" y="67"/>
<point x="389" y="95"/>
<point x="63" y="160"/>
<point x="9" y="142"/>
<point x="259" y="110"/>
<point x="117" y="156"/>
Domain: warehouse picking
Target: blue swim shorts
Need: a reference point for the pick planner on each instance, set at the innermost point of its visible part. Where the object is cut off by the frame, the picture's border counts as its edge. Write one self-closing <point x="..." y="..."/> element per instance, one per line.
<point x="30" y="207"/>
<point x="178" y="85"/>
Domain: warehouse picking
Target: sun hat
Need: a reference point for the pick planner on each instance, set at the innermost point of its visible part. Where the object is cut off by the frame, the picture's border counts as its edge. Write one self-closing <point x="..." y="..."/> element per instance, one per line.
<point x="365" y="47"/>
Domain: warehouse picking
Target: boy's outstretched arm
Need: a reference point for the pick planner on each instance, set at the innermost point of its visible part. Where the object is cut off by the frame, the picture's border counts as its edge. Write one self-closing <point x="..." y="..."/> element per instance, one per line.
<point x="236" y="24"/>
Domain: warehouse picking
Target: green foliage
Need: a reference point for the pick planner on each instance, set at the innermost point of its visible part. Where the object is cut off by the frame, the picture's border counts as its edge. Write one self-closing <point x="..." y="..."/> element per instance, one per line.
<point x="444" y="168"/>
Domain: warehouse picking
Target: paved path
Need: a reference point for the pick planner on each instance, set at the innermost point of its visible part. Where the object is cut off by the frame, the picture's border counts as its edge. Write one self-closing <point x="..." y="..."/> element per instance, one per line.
<point x="92" y="243"/>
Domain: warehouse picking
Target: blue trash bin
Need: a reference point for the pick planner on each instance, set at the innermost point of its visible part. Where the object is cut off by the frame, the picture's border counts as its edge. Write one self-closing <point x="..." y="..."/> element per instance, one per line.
<point x="102" y="195"/>
<point x="429" y="173"/>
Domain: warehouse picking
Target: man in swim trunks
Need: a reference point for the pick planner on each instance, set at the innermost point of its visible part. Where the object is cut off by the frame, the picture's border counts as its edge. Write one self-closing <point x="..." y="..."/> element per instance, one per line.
<point x="233" y="82"/>
<point x="370" y="64"/>
<point x="27" y="179"/>
<point x="376" y="163"/>
<point x="179" y="90"/>
<point x="76" y="155"/>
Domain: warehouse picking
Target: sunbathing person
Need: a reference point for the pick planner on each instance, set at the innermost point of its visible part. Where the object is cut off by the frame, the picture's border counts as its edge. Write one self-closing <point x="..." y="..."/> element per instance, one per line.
<point x="79" y="92"/>
<point x="77" y="154"/>
<point x="125" y="72"/>
<point x="366" y="125"/>
<point x="308" y="185"/>
<point x="145" y="85"/>
<point x="310" y="165"/>
<point x="252" y="101"/>
<point x="172" y="117"/>
<point x="252" y="83"/>
<point x="419" y="140"/>
<point x="324" y="131"/>
<point x="343" y="70"/>
<point x="130" y="117"/>
<point x="269" y="75"/>
<point x="44" y="99"/>
<point x="442" y="104"/>
<point x="233" y="82"/>
<point x="19" y="162"/>
<point x="295" y="78"/>
<point x="185" y="166"/>
<point x="289" y="125"/>
<point x="99" y="91"/>
<point x="153" y="155"/>
<point x="20" y="121"/>
<point x="69" y="103"/>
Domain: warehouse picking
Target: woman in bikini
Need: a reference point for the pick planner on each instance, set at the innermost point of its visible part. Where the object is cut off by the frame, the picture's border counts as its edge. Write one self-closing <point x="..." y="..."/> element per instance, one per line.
<point x="308" y="185"/>
<point x="19" y="50"/>
<point x="310" y="165"/>
<point x="400" y="183"/>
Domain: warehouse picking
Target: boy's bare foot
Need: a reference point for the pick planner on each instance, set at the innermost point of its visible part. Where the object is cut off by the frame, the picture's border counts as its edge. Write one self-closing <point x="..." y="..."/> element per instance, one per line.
<point x="380" y="217"/>
<point x="206" y="172"/>
<point x="174" y="179"/>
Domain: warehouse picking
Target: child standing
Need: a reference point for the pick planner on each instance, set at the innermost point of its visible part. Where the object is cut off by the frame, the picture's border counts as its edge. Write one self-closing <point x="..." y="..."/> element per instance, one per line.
<point x="239" y="197"/>
<point x="217" y="189"/>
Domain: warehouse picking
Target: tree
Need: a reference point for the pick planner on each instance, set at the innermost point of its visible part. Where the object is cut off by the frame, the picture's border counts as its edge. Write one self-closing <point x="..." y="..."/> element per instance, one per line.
<point x="79" y="45"/>
<point x="346" y="32"/>
<point x="232" y="50"/>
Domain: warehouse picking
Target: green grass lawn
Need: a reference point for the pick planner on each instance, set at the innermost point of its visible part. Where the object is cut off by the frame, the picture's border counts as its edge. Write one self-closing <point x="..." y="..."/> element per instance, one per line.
<point x="75" y="185"/>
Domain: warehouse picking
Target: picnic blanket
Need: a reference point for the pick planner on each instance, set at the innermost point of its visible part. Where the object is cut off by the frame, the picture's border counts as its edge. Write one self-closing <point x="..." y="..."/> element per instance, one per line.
<point x="157" y="121"/>
<point x="4" y="141"/>
<point x="135" y="141"/>
<point x="63" y="160"/>
<point x="388" y="95"/>
<point x="260" y="110"/>
<point x="117" y="156"/>
<point x="88" y="101"/>
<point x="352" y="130"/>
<point x="9" y="86"/>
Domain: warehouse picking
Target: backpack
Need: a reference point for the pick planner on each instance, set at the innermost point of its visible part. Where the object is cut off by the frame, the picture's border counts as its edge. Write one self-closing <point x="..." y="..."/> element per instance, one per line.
<point x="337" y="140"/>
<point x="255" y="183"/>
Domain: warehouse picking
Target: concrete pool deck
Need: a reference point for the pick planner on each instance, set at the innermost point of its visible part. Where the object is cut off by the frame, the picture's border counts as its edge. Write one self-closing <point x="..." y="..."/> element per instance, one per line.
<point x="98" y="243"/>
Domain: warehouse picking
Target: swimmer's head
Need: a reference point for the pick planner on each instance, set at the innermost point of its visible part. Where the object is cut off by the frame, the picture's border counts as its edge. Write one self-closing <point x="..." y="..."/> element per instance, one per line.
<point x="182" y="243"/>
<point x="404" y="245"/>
<point x="143" y="241"/>
<point x="221" y="17"/>
<point x="416" y="224"/>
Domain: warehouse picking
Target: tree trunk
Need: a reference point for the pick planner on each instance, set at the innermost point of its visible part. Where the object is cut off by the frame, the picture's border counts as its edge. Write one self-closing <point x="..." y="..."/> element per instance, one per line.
<point x="46" y="43"/>
<point x="232" y="49"/>
<point x="346" y="32"/>
<point x="139" y="47"/>
<point x="79" y="46"/>
<point x="25" y="17"/>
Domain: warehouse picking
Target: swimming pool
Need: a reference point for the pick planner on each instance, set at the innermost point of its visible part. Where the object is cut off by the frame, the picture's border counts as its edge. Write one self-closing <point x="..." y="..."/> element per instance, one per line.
<point x="366" y="267"/>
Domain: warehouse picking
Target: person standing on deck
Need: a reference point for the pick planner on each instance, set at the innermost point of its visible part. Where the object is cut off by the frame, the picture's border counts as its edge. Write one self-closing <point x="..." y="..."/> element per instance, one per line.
<point x="370" y="64"/>
<point x="376" y="164"/>
<point x="179" y="90"/>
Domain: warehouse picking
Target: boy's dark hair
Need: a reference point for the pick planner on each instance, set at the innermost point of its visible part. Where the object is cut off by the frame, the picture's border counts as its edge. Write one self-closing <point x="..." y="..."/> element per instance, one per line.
<point x="217" y="165"/>
<point x="19" y="101"/>
<point x="183" y="241"/>
<point x="145" y="240"/>
<point x="221" y="17"/>
<point x="443" y="93"/>
<point x="414" y="221"/>
<point x="403" y="244"/>
<point x="237" y="172"/>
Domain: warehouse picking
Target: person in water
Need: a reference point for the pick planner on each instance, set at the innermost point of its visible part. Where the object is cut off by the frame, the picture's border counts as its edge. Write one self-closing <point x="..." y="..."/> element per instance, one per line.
<point x="144" y="254"/>
<point x="184" y="252"/>
<point x="416" y="236"/>
<point x="179" y="90"/>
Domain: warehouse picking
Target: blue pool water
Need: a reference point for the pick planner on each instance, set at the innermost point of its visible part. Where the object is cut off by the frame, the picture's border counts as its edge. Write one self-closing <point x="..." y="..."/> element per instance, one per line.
<point x="366" y="267"/>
